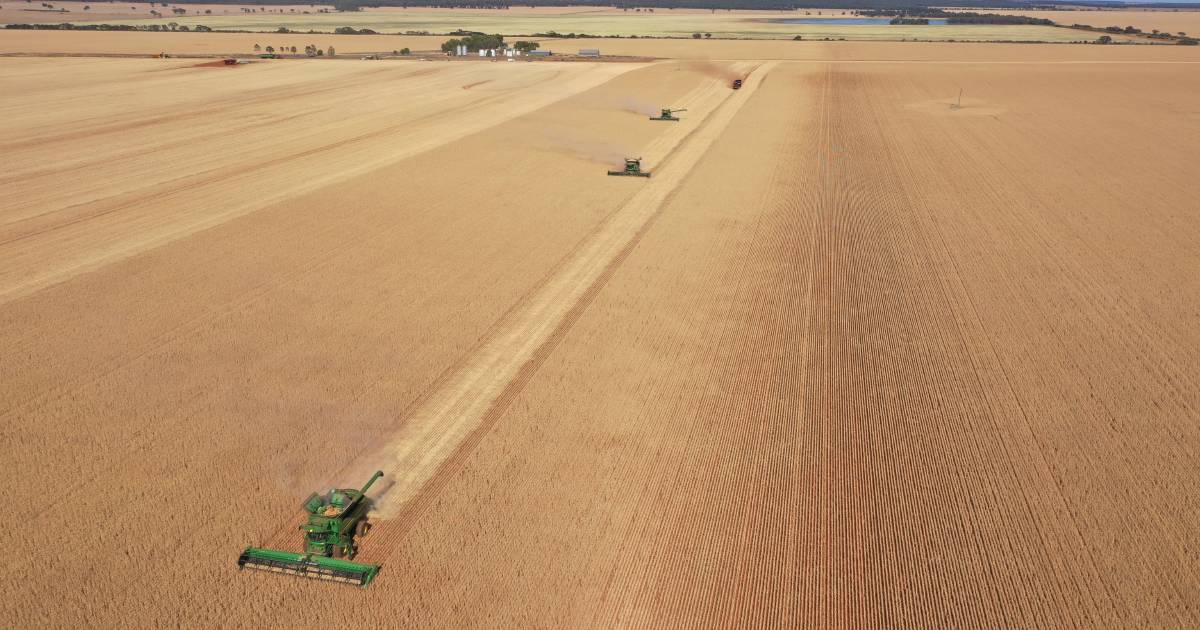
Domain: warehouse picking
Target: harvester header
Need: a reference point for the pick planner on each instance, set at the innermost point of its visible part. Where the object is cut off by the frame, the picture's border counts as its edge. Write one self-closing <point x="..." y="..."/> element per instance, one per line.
<point x="336" y="520"/>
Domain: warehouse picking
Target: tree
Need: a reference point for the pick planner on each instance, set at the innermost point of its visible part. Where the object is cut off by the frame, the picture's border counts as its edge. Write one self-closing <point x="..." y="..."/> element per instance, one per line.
<point x="270" y="49"/>
<point x="330" y="52"/>
<point x="1187" y="41"/>
<point x="696" y="35"/>
<point x="405" y="51"/>
<point x="474" y="42"/>
<point x="293" y="50"/>
<point x="525" y="47"/>
<point x="708" y="36"/>
<point x="257" y="48"/>
<point x="1104" y="39"/>
<point x="87" y="7"/>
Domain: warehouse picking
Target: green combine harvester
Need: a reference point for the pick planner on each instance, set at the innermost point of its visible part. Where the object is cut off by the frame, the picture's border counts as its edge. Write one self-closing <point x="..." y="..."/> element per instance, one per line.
<point x="668" y="114"/>
<point x="633" y="168"/>
<point x="335" y="520"/>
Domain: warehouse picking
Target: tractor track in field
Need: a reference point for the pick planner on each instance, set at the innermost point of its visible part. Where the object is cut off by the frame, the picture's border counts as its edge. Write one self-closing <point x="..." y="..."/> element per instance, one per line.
<point x="436" y="437"/>
<point x="25" y="405"/>
<point x="194" y="190"/>
<point x="659" y="153"/>
<point x="220" y="107"/>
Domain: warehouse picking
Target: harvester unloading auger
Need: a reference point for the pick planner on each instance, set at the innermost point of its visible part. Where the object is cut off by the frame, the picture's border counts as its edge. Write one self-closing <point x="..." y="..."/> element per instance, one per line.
<point x="668" y="114"/>
<point x="335" y="520"/>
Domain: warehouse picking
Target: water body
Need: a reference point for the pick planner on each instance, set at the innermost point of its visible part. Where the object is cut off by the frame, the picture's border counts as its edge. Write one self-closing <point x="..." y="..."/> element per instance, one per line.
<point x="848" y="21"/>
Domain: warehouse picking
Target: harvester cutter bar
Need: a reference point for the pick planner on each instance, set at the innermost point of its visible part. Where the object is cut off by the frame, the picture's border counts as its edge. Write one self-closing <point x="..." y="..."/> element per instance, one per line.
<point x="308" y="566"/>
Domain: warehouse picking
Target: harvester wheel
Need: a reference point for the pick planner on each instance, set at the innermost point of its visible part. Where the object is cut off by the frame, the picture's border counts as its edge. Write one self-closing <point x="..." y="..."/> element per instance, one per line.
<point x="337" y="551"/>
<point x="363" y="527"/>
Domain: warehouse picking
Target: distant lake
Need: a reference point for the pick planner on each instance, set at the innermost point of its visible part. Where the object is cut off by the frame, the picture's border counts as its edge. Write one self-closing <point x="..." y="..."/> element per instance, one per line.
<point x="848" y="21"/>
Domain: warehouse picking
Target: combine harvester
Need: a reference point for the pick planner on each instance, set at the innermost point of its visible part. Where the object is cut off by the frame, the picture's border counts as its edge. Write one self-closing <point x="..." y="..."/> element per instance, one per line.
<point x="633" y="168"/>
<point x="334" y="521"/>
<point x="668" y="114"/>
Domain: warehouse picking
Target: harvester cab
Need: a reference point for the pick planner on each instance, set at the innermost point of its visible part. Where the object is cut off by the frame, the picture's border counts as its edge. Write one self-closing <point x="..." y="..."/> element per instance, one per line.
<point x="668" y="114"/>
<point x="633" y="168"/>
<point x="336" y="521"/>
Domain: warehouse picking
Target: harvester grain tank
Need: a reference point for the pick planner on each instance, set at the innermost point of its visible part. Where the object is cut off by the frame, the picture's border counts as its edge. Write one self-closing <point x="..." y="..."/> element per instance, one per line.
<point x="633" y="168"/>
<point x="335" y="523"/>
<point x="668" y="114"/>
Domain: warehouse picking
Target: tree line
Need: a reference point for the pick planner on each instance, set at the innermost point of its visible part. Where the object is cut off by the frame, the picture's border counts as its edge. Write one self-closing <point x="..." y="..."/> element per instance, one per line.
<point x="67" y="26"/>
<point x="922" y="15"/>
<point x="475" y="42"/>
<point x="354" y="5"/>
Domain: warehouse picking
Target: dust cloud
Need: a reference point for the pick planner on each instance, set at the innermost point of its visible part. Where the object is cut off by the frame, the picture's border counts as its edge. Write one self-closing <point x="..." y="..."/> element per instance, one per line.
<point x="600" y="151"/>
<point x="714" y="70"/>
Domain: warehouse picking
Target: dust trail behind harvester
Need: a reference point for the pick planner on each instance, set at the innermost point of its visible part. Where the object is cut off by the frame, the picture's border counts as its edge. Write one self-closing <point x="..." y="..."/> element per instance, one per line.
<point x="356" y="426"/>
<point x="638" y="106"/>
<point x="562" y="141"/>
<point x="714" y="70"/>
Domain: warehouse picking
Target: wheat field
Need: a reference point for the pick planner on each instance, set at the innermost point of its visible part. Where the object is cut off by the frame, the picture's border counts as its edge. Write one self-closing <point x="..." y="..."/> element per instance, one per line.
<point x="895" y="335"/>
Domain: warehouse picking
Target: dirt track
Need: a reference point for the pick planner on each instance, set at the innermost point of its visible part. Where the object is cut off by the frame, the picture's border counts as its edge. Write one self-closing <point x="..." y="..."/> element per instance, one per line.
<point x="851" y="357"/>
